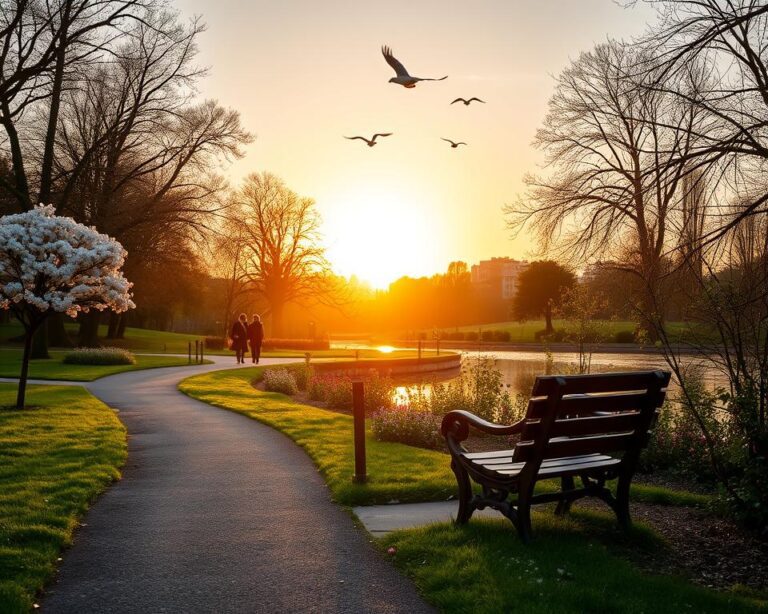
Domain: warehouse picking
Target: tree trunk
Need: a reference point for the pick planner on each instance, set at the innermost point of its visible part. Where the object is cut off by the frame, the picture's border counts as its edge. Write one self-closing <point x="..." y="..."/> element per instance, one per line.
<point x="121" y="326"/>
<point x="114" y="322"/>
<point x="22" y="390"/>
<point x="88" y="336"/>
<point x="548" y="329"/>
<point x="39" y="347"/>
<point x="277" y="321"/>
<point x="57" y="333"/>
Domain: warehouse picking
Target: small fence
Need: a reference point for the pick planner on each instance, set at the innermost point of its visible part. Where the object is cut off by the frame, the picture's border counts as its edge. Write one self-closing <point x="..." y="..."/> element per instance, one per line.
<point x="199" y="352"/>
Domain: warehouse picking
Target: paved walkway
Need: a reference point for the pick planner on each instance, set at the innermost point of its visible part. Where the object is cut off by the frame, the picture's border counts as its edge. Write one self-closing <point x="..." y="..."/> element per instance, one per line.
<point x="216" y="513"/>
<point x="381" y="519"/>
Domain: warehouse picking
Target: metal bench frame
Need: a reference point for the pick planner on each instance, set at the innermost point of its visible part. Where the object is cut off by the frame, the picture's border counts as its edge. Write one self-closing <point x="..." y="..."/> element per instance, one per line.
<point x="590" y="426"/>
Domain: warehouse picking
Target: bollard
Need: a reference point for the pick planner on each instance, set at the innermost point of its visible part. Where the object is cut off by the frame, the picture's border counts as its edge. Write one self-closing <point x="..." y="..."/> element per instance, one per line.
<point x="438" y="346"/>
<point x="358" y="414"/>
<point x="419" y="349"/>
<point x="197" y="350"/>
<point x="202" y="345"/>
<point x="189" y="348"/>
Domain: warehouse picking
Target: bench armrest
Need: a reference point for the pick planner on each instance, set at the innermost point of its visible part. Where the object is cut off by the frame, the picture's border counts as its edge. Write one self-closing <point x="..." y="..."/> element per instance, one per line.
<point x="456" y="423"/>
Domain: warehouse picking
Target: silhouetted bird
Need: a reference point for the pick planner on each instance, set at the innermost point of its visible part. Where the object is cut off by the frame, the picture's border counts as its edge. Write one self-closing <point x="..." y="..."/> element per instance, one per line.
<point x="403" y="78"/>
<point x="454" y="145"/>
<point x="372" y="140"/>
<point x="466" y="102"/>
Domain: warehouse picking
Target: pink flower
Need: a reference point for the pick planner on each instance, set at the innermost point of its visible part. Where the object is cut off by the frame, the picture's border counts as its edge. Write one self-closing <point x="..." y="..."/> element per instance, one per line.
<point x="392" y="550"/>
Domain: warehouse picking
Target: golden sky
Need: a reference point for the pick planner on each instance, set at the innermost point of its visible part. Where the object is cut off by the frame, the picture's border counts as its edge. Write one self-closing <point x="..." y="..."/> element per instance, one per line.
<point x="305" y="73"/>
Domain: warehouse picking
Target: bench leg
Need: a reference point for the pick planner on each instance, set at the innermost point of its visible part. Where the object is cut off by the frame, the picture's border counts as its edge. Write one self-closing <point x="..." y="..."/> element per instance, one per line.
<point x="465" y="493"/>
<point x="564" y="505"/>
<point x="524" y="519"/>
<point x="622" y="501"/>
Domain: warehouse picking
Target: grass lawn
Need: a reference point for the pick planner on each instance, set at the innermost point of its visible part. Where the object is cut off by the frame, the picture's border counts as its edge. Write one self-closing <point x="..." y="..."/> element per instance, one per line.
<point x="574" y="565"/>
<point x="524" y="332"/>
<point x="55" y="457"/>
<point x="54" y="368"/>
<point x="395" y="471"/>
<point x="156" y="341"/>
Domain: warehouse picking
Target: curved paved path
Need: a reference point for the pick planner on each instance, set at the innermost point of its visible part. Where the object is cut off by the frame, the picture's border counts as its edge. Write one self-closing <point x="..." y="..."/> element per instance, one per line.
<point x="216" y="513"/>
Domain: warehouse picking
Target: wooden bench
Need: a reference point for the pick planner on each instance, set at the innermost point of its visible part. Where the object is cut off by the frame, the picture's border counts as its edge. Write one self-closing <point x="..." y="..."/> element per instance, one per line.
<point x="588" y="426"/>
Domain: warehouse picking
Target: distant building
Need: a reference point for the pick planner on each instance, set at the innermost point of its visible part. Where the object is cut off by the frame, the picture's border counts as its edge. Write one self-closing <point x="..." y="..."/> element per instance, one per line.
<point x="499" y="274"/>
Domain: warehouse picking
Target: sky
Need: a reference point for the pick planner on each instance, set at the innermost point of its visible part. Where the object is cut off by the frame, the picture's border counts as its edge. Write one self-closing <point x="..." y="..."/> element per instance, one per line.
<point x="303" y="74"/>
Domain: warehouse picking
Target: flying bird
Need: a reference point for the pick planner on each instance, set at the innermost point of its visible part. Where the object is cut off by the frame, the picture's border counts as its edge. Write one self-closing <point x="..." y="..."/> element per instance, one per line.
<point x="403" y="78"/>
<point x="454" y="145"/>
<point x="466" y="102"/>
<point x="372" y="141"/>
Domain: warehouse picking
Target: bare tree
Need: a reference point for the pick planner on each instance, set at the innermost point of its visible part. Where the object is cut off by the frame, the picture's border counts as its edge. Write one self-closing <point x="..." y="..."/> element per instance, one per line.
<point x="282" y="258"/>
<point x="729" y="37"/>
<point x="612" y="185"/>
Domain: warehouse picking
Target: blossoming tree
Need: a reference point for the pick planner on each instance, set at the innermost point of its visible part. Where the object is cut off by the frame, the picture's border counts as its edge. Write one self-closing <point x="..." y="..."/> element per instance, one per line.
<point x="53" y="264"/>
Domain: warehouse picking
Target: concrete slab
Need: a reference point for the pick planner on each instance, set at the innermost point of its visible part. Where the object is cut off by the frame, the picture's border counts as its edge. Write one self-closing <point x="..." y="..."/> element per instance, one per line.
<point x="381" y="519"/>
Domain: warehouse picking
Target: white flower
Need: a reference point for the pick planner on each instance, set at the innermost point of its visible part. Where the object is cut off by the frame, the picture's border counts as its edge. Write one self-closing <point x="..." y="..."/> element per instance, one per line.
<point x="53" y="263"/>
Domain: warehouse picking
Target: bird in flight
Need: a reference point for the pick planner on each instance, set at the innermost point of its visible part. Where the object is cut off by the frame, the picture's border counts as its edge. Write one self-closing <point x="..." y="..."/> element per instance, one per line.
<point x="403" y="78"/>
<point x="372" y="141"/>
<point x="466" y="102"/>
<point x="454" y="145"/>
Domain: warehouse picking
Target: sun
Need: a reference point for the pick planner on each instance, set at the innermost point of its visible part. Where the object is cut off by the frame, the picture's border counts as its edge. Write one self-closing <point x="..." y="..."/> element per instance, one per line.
<point x="380" y="234"/>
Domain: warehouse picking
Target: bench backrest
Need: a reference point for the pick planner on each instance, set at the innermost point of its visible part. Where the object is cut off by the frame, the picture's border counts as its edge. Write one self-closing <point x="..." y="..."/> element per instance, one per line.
<point x="583" y="414"/>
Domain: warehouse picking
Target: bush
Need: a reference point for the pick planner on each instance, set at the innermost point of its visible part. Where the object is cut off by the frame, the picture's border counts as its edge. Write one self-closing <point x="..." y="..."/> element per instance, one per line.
<point x="99" y="356"/>
<point x="454" y="336"/>
<point x="280" y="380"/>
<point x="296" y="344"/>
<point x="403" y="424"/>
<point x="215" y="343"/>
<point x="487" y="335"/>
<point x="470" y="335"/>
<point x="333" y="389"/>
<point x="501" y="335"/>
<point x="624" y="336"/>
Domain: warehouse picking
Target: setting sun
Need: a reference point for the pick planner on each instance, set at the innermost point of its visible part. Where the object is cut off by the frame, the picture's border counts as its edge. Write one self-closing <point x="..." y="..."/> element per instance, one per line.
<point x="382" y="234"/>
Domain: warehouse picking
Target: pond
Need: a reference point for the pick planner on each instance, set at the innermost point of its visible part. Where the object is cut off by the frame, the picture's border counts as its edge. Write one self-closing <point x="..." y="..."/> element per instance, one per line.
<point x="519" y="368"/>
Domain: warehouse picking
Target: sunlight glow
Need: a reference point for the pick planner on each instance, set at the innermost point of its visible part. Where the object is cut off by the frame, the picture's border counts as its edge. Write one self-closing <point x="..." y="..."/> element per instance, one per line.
<point x="386" y="349"/>
<point x="380" y="234"/>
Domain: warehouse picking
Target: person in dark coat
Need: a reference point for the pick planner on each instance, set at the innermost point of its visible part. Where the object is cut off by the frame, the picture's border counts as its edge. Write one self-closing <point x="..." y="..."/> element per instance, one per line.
<point x="255" y="337"/>
<point x="239" y="335"/>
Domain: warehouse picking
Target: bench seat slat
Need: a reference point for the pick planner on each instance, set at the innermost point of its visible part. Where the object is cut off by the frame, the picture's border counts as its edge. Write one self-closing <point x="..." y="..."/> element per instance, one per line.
<point x="556" y="466"/>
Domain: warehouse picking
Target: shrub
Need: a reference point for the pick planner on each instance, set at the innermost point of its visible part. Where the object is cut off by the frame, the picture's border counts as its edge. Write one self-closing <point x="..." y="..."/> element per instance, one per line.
<point x="403" y="424"/>
<point x="501" y="335"/>
<point x="280" y="380"/>
<point x="487" y="335"/>
<point x="99" y="356"/>
<point x="624" y="336"/>
<point x="470" y="335"/>
<point x="331" y="388"/>
<point x="215" y="343"/>
<point x="296" y="344"/>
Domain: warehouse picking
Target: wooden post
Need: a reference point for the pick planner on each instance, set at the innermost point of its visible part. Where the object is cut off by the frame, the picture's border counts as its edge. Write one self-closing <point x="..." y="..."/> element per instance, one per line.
<point x="437" y="343"/>
<point x="358" y="414"/>
<point x="202" y="345"/>
<point x="197" y="351"/>
<point x="189" y="349"/>
<point x="419" y="349"/>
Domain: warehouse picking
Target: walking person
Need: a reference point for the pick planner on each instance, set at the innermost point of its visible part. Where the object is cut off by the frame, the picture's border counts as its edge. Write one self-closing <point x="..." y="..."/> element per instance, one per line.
<point x="239" y="335"/>
<point x="255" y="337"/>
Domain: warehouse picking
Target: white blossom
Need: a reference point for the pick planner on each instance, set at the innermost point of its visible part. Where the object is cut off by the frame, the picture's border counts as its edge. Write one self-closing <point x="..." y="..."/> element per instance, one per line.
<point x="52" y="263"/>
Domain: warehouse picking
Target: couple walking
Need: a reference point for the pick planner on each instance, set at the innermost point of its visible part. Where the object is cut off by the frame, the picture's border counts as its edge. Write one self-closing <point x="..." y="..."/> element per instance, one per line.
<point x="244" y="333"/>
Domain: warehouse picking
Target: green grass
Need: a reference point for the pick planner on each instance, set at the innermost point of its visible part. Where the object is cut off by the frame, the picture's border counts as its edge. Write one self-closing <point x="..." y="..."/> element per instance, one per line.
<point x="55" y="457"/>
<point x="156" y="341"/>
<point x="54" y="368"/>
<point x="524" y="332"/>
<point x="396" y="471"/>
<point x="573" y="565"/>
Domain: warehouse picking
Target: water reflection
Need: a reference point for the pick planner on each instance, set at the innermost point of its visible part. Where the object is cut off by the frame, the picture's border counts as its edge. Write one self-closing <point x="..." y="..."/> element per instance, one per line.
<point x="520" y="368"/>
